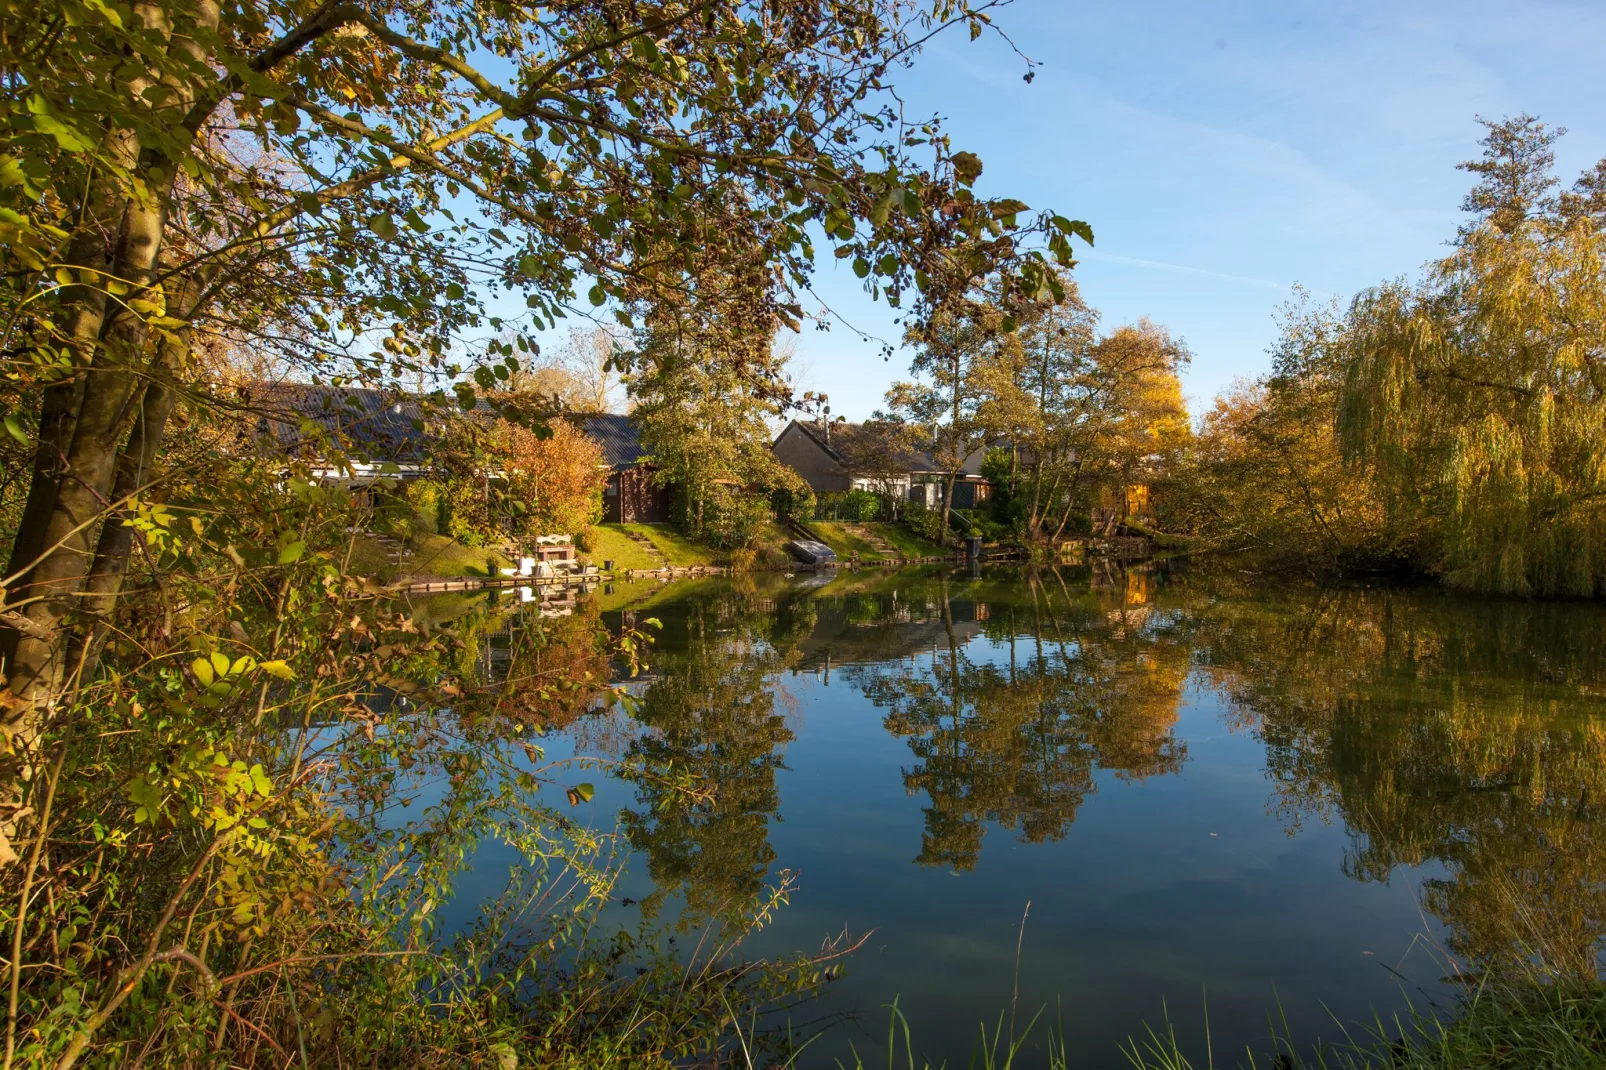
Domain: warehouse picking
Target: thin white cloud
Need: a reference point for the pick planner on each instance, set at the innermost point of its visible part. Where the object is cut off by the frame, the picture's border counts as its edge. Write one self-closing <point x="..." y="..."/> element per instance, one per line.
<point x="1185" y="269"/>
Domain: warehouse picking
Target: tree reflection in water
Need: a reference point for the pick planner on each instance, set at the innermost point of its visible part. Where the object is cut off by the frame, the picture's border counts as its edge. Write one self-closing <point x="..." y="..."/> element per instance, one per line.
<point x="1089" y="682"/>
<point x="1464" y="732"/>
<point x="1471" y="734"/>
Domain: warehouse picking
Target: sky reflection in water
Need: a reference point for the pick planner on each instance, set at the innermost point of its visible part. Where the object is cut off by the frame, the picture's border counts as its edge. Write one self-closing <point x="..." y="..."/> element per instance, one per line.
<point x="1259" y="797"/>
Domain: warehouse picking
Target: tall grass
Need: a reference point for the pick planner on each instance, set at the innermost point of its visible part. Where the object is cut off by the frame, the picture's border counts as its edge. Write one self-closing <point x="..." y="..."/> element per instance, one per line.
<point x="1503" y="1025"/>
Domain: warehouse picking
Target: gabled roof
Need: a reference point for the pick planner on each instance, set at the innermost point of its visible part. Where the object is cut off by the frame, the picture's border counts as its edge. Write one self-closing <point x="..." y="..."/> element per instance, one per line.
<point x="402" y="428"/>
<point x="863" y="440"/>
<point x="619" y="436"/>
<point x="384" y="425"/>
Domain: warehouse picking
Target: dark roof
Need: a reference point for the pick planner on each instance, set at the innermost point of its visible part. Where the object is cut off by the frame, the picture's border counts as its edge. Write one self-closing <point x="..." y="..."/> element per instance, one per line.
<point x="618" y="435"/>
<point x="864" y="440"/>
<point x="384" y="425"/>
<point x="392" y="426"/>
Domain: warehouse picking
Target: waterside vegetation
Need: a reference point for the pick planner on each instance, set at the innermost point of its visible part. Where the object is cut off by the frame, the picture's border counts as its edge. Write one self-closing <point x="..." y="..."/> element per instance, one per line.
<point x="1452" y="426"/>
<point x="240" y="784"/>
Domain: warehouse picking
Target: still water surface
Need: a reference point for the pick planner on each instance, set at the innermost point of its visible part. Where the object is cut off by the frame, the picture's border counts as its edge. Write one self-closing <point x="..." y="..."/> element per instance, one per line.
<point x="1194" y="790"/>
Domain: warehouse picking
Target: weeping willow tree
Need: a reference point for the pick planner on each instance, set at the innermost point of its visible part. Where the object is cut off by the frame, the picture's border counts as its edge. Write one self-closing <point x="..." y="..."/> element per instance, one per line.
<point x="1478" y="396"/>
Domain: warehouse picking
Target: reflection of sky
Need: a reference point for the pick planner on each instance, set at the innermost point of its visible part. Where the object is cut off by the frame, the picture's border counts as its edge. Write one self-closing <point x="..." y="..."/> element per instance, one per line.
<point x="1163" y="893"/>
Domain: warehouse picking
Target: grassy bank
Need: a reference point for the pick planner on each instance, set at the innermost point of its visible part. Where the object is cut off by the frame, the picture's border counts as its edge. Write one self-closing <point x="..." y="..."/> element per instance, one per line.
<point x="610" y="543"/>
<point x="428" y="555"/>
<point x="846" y="541"/>
<point x="441" y="557"/>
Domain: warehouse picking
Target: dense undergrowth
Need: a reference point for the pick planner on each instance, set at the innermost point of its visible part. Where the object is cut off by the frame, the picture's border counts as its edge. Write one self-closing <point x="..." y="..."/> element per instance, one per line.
<point x="250" y="820"/>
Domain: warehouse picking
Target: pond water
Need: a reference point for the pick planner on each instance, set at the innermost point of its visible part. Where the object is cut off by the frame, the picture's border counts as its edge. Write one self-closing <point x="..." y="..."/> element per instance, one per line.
<point x="1124" y="795"/>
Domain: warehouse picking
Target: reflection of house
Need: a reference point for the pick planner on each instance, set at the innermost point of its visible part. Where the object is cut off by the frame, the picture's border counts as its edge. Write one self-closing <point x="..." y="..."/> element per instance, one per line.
<point x="631" y="496"/>
<point x="837" y="639"/>
<point x="841" y="456"/>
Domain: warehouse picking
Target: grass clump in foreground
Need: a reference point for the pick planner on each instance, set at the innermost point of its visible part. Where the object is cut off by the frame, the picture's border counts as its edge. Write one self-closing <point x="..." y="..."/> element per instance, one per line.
<point x="1502" y="1025"/>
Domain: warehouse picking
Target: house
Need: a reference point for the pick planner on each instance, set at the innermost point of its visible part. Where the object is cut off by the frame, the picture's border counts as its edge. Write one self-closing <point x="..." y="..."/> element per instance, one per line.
<point x="378" y="434"/>
<point x="840" y="456"/>
<point x="631" y="495"/>
<point x="386" y="435"/>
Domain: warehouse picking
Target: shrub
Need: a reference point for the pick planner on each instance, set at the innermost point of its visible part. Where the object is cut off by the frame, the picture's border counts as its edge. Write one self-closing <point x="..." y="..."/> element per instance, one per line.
<point x="927" y="523"/>
<point x="469" y="512"/>
<point x="794" y="503"/>
<point x="585" y="540"/>
<point x="734" y="519"/>
<point x="425" y="497"/>
<point x="857" y="506"/>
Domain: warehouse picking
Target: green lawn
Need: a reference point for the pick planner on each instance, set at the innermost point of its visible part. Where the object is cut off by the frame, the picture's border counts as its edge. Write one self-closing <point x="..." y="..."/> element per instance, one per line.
<point x="846" y="543"/>
<point x="842" y="541"/>
<point x="907" y="542"/>
<point x="611" y="544"/>
<point x="368" y="558"/>
<point x="679" y="550"/>
<point x="438" y="555"/>
<point x="430" y="555"/>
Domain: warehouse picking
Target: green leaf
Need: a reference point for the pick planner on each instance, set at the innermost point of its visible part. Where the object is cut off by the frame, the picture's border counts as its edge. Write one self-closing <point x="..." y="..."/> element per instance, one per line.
<point x="1074" y="227"/>
<point x="454" y="292"/>
<point x="46" y="123"/>
<point x="261" y="782"/>
<point x="383" y="225"/>
<point x="598" y="295"/>
<point x="202" y="670"/>
<point x="580" y="793"/>
<point x="15" y="429"/>
<point x="220" y="662"/>
<point x="292" y="552"/>
<point x="861" y="266"/>
<point x="279" y="669"/>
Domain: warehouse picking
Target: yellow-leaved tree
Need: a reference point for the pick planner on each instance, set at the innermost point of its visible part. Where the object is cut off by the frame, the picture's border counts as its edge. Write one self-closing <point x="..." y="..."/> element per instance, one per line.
<point x="1479" y="394"/>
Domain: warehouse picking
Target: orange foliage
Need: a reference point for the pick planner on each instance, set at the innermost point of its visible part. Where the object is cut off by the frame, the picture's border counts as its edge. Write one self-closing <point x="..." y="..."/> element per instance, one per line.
<point x="558" y="478"/>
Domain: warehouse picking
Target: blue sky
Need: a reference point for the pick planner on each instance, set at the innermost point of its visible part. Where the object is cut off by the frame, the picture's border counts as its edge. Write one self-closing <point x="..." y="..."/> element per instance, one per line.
<point x="1223" y="152"/>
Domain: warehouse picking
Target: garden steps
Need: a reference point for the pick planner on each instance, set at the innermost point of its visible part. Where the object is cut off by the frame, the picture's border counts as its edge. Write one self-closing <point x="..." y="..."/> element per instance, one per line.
<point x="869" y="535"/>
<point x="647" y="545"/>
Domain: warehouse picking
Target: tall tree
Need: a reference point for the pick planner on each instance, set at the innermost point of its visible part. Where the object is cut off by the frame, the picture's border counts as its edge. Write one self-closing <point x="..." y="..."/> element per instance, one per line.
<point x="703" y="392"/>
<point x="944" y="400"/>
<point x="1054" y="402"/>
<point x="318" y="180"/>
<point x="580" y="375"/>
<point x="1516" y="173"/>
<point x="1266" y="476"/>
<point x="1479" y="395"/>
<point x="1142" y="420"/>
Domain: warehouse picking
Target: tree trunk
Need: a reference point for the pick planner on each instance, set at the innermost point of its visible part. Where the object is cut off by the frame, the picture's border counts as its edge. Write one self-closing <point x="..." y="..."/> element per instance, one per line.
<point x="105" y="580"/>
<point x="948" y="505"/>
<point x="1070" y="503"/>
<point x="111" y="387"/>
